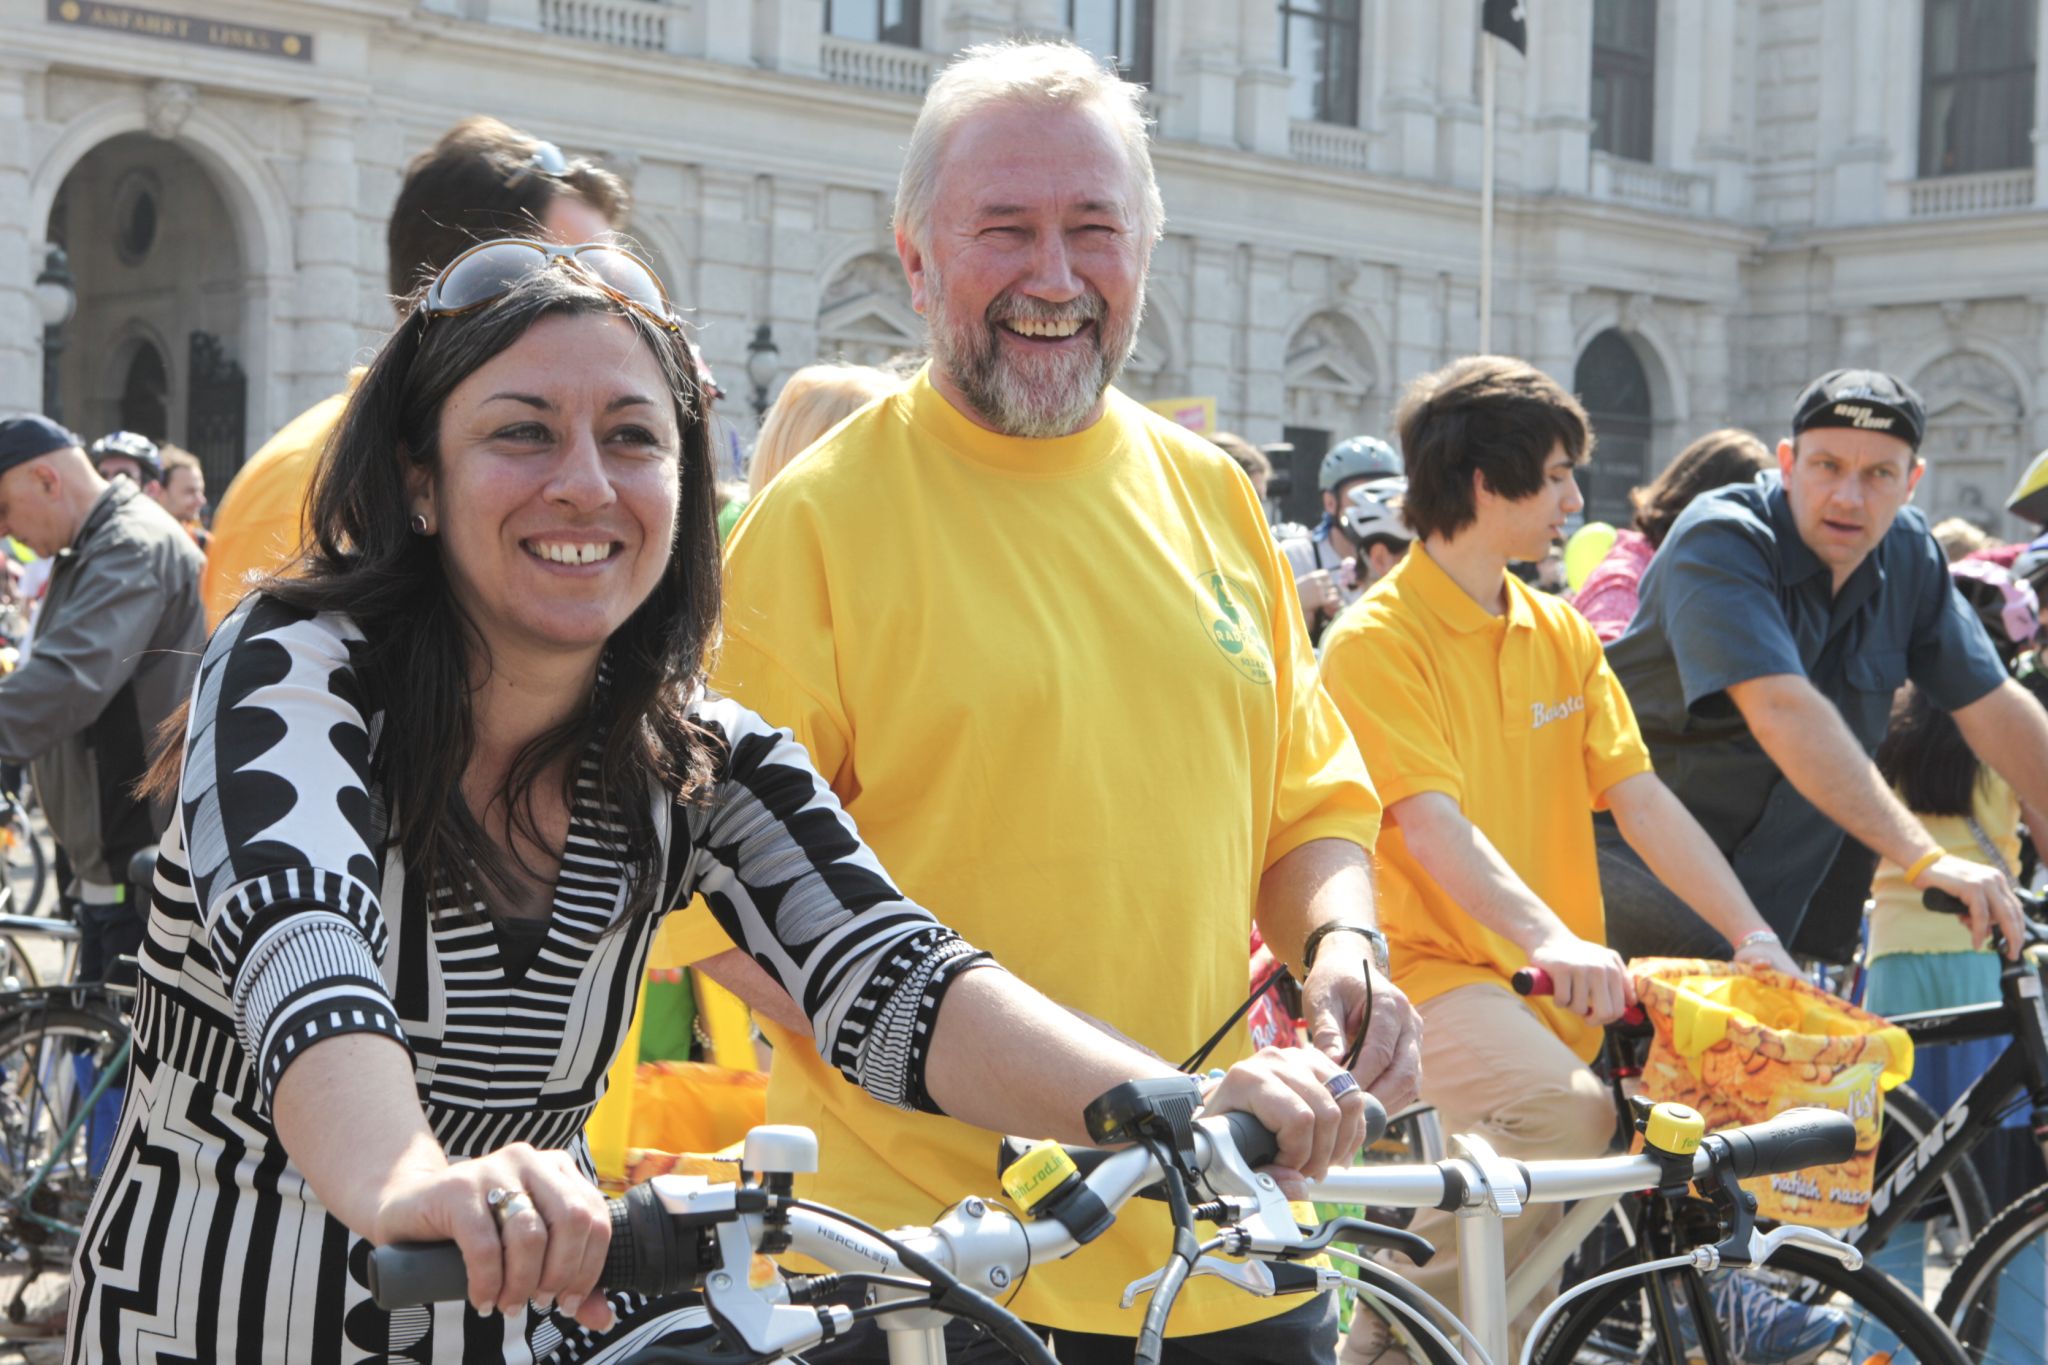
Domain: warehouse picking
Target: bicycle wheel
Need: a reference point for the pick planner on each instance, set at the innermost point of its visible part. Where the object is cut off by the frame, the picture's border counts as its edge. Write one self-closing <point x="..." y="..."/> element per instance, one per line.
<point x="28" y="863"/>
<point x="1997" y="1300"/>
<point x="1667" y="1316"/>
<point x="51" y="1056"/>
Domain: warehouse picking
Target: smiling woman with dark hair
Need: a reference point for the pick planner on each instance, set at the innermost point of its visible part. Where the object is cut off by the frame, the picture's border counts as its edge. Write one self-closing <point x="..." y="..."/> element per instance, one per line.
<point x="433" y="798"/>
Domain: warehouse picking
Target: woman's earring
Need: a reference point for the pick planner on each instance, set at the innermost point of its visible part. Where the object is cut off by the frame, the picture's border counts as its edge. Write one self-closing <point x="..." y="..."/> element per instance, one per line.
<point x="419" y="523"/>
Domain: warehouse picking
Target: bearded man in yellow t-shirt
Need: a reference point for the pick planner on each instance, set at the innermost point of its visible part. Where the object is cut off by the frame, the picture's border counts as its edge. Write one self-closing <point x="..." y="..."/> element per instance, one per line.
<point x="1044" y="647"/>
<point x="1494" y="729"/>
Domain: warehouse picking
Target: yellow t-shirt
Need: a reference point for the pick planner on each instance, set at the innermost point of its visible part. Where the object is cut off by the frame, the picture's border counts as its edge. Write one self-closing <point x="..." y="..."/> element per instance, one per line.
<point x="261" y="520"/>
<point x="1899" y="923"/>
<point x="1518" y="719"/>
<point x="1062" y="688"/>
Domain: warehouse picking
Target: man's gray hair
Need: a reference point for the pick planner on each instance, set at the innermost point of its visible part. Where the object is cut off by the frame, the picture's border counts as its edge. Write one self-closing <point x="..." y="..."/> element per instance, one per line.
<point x="1048" y="74"/>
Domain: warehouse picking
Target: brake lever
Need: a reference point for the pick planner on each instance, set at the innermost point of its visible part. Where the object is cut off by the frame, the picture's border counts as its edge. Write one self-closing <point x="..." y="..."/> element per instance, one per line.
<point x="1361" y="1233"/>
<point x="1262" y="1278"/>
<point x="1764" y="1244"/>
<point x="1270" y="1222"/>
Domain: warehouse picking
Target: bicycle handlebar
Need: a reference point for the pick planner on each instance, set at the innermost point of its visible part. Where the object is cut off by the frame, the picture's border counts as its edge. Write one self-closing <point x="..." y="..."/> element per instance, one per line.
<point x="2032" y="908"/>
<point x="1790" y="1141"/>
<point x="651" y="1253"/>
<point x="1536" y="981"/>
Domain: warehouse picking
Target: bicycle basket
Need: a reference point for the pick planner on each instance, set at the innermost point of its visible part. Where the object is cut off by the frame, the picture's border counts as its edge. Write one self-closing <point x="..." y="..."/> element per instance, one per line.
<point x="1742" y="1043"/>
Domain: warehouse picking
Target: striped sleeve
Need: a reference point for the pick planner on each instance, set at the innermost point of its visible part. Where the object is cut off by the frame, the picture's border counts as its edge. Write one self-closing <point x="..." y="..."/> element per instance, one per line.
<point x="787" y="877"/>
<point x="278" y="825"/>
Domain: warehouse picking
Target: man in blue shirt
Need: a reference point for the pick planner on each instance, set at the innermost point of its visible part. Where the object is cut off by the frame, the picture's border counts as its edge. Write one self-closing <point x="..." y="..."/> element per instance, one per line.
<point x="1775" y="624"/>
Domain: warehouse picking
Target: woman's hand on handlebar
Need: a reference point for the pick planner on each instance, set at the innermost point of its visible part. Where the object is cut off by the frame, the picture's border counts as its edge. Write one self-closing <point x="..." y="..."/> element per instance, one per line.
<point x="551" y="1251"/>
<point x="1287" y="1089"/>
<point x="1987" y="895"/>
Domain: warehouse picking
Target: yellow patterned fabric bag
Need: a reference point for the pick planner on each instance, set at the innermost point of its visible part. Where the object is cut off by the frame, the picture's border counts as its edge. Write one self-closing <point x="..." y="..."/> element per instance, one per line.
<point x="1741" y="1043"/>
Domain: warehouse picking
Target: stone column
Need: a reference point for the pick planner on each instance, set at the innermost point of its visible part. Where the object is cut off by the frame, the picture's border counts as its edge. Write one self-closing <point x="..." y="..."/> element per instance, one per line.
<point x="327" y="271"/>
<point x="1204" y="107"/>
<point x="1717" y="148"/>
<point x="1259" y="393"/>
<point x="1458" y="94"/>
<point x="21" y="252"/>
<point x="2040" y="141"/>
<point x="787" y="33"/>
<point x="1410" y="101"/>
<point x="1264" y="86"/>
<point x="1712" y="392"/>
<point x="1550" y="345"/>
<point x="1561" y="67"/>
<point x="1212" y="320"/>
<point x="1853" y="105"/>
<point x="1419" y="324"/>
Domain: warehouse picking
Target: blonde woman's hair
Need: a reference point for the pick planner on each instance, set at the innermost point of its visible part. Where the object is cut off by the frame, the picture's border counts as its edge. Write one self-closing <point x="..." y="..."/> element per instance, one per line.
<point x="814" y="400"/>
<point x="1052" y="75"/>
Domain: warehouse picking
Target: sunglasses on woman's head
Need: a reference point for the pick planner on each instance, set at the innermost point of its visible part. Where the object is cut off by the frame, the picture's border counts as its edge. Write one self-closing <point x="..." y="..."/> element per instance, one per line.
<point x="489" y="270"/>
<point x="546" y="159"/>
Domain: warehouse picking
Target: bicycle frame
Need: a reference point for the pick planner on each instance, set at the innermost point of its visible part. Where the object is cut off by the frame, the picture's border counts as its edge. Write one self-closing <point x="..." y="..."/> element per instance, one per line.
<point x="116" y="1066"/>
<point x="2022" y="1069"/>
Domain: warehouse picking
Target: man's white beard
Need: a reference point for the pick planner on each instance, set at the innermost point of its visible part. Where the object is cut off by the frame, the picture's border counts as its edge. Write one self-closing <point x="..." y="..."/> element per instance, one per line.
<point x="1034" y="396"/>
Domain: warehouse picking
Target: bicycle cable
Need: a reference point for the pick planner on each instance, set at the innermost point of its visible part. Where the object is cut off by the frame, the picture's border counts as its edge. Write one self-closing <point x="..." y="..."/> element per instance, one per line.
<point x="1274" y="978"/>
<point x="950" y="1294"/>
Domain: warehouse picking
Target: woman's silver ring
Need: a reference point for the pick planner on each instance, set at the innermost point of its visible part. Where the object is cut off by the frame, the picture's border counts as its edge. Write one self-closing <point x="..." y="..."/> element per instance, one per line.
<point x="1341" y="1084"/>
<point x="506" y="1205"/>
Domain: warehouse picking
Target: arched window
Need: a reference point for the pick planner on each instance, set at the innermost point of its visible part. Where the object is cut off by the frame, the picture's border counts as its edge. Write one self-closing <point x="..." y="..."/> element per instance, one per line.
<point x="1624" y="105"/>
<point x="1977" y="86"/>
<point x="146" y="394"/>
<point x="1611" y="382"/>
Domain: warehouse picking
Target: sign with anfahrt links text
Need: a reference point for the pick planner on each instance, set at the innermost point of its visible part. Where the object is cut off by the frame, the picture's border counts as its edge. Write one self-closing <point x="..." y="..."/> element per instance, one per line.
<point x="184" y="28"/>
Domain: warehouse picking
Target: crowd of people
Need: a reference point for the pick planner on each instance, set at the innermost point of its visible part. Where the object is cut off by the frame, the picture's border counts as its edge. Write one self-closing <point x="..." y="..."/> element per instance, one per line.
<point x="975" y="740"/>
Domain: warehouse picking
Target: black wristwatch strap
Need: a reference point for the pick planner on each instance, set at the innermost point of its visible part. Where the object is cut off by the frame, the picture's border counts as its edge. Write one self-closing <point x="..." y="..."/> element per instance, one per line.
<point x="1344" y="926"/>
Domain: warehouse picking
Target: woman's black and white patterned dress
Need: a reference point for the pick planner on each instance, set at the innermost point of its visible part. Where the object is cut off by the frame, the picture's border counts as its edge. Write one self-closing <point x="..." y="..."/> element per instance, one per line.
<point x="280" y="918"/>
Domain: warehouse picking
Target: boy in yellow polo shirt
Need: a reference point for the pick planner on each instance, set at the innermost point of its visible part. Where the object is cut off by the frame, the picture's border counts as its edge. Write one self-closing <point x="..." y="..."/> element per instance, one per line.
<point x="1493" y="730"/>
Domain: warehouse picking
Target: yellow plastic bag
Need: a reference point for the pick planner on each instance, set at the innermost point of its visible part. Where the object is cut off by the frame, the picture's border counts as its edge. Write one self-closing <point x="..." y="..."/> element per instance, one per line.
<point x="1741" y="1043"/>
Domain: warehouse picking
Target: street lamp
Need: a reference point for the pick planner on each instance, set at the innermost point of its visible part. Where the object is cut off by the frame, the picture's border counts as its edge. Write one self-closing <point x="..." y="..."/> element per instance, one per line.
<point x="763" y="364"/>
<point x="56" y="300"/>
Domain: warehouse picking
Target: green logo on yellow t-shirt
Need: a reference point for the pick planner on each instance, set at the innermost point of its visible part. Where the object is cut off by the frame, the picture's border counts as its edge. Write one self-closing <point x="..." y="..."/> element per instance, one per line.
<point x="1232" y="627"/>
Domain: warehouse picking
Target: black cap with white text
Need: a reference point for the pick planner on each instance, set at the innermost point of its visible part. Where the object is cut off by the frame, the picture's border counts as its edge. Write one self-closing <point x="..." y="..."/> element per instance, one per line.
<point x="1864" y="400"/>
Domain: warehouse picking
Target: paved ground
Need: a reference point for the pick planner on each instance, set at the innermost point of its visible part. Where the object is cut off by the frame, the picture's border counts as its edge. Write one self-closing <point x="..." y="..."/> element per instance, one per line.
<point x="32" y="1342"/>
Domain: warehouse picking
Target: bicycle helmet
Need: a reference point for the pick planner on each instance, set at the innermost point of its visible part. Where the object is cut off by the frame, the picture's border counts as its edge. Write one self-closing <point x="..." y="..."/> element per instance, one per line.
<point x="2030" y="496"/>
<point x="2005" y="604"/>
<point x="130" y="446"/>
<point x="1372" y="511"/>
<point x="1361" y="457"/>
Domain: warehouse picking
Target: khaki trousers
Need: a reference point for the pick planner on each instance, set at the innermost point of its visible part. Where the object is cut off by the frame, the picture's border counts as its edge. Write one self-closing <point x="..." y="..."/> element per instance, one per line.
<point x="1491" y="1067"/>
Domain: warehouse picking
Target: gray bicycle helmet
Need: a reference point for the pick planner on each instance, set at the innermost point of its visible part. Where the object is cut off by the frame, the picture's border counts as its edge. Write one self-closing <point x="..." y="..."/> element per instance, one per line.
<point x="1361" y="457"/>
<point x="130" y="445"/>
<point x="1372" y="511"/>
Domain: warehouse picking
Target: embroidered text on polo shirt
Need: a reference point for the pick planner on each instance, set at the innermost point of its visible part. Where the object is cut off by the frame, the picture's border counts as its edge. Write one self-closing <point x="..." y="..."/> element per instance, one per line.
<point x="1542" y="715"/>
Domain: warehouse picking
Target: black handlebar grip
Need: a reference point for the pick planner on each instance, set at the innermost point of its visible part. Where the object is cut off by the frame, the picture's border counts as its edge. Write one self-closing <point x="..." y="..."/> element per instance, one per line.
<point x="1259" y="1147"/>
<point x="408" y="1273"/>
<point x="1375" y="1120"/>
<point x="1790" y="1141"/>
<point x="649" y="1254"/>
<point x="1942" y="903"/>
<point x="1255" y="1142"/>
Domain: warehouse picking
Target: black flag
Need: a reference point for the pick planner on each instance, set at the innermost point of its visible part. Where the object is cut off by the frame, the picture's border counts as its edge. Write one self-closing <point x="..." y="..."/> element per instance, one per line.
<point x="1507" y="20"/>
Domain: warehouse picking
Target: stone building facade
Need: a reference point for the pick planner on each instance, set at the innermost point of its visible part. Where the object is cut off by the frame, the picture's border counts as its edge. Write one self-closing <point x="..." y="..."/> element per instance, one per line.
<point x="1701" y="202"/>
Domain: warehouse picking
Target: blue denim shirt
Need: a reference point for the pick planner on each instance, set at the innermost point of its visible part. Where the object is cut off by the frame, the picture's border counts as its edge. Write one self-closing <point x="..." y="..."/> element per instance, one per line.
<point x="1733" y="594"/>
